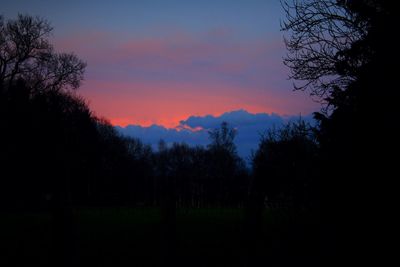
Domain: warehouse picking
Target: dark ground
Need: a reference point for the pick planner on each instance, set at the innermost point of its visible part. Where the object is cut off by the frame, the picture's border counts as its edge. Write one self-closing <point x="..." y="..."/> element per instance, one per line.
<point x="136" y="237"/>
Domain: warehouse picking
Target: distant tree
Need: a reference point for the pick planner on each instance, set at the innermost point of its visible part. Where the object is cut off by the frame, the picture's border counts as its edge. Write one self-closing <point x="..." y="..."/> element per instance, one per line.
<point x="285" y="165"/>
<point x="226" y="169"/>
<point x="285" y="176"/>
<point x="141" y="184"/>
<point x="223" y="138"/>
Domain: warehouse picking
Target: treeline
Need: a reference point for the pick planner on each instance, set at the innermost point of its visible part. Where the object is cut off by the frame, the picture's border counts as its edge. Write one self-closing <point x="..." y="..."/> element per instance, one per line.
<point x="55" y="150"/>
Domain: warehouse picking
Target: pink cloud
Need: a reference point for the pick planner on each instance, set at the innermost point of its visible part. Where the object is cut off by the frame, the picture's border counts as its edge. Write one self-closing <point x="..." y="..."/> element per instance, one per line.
<point x="162" y="80"/>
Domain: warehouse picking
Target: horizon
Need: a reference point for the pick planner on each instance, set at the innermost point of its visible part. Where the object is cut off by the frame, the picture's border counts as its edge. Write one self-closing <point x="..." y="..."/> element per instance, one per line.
<point x="157" y="63"/>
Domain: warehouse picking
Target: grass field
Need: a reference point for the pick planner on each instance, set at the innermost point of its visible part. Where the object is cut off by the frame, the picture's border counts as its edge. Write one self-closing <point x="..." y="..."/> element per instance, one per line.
<point x="136" y="237"/>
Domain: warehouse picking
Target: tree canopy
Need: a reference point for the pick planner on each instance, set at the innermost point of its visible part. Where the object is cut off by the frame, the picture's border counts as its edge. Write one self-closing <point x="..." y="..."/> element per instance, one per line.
<point x="27" y="54"/>
<point x="327" y="43"/>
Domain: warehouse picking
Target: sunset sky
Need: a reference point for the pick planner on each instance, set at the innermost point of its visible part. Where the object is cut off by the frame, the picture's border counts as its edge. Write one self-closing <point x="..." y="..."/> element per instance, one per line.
<point x="160" y="62"/>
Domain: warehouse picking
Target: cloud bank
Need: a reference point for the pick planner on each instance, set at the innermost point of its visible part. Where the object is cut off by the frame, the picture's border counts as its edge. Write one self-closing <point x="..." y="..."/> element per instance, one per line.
<point x="194" y="130"/>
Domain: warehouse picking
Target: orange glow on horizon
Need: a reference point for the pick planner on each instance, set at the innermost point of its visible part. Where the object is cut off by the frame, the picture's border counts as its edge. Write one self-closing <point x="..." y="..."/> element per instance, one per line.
<point x="173" y="123"/>
<point x="168" y="103"/>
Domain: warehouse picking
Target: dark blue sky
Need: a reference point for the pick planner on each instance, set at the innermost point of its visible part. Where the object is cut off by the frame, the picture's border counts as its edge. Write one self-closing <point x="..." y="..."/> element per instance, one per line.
<point x="250" y="17"/>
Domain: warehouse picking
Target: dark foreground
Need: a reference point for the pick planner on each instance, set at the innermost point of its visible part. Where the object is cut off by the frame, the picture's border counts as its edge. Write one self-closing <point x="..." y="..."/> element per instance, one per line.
<point x="137" y="237"/>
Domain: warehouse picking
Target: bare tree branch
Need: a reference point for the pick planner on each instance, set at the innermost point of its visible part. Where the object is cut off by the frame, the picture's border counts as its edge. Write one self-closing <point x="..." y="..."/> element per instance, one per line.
<point x="320" y="33"/>
<point x="25" y="53"/>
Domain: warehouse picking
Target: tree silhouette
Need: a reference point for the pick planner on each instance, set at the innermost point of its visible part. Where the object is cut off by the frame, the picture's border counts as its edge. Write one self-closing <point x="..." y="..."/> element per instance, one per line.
<point x="285" y="165"/>
<point x="27" y="54"/>
<point x="285" y="180"/>
<point x="223" y="138"/>
<point x="321" y="33"/>
<point x="359" y="86"/>
<point x="46" y="130"/>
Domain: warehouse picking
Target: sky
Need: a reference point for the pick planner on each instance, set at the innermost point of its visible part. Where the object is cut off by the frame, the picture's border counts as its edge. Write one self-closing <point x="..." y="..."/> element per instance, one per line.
<point x="159" y="62"/>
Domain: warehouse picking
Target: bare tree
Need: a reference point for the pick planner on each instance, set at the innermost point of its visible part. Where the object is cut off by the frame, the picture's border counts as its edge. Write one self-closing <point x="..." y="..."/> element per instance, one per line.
<point x="26" y="53"/>
<point x="321" y="34"/>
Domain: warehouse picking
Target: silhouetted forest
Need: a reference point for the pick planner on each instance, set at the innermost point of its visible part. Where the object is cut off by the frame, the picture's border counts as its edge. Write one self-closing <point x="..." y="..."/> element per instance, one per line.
<point x="305" y="199"/>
